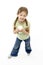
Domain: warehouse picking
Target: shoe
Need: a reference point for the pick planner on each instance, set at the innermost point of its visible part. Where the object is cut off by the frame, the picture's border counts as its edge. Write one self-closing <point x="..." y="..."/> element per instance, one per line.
<point x="9" y="57"/>
<point x="28" y="54"/>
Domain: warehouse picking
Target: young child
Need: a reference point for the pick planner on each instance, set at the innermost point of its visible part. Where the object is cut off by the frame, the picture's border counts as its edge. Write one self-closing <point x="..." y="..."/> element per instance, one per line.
<point x="22" y="29"/>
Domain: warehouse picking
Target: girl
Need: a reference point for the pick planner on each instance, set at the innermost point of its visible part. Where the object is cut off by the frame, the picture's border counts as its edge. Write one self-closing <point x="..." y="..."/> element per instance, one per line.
<point x="22" y="29"/>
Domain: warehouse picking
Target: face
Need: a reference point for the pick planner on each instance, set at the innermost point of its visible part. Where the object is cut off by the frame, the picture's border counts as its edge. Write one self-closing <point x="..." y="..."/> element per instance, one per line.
<point x="22" y="16"/>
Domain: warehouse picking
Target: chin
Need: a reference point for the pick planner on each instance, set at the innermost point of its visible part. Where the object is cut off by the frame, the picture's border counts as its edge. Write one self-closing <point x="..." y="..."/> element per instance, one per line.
<point x="22" y="20"/>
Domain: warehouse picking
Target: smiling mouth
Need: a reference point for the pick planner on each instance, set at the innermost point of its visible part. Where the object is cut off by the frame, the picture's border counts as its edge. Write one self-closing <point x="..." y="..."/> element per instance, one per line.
<point x="22" y="19"/>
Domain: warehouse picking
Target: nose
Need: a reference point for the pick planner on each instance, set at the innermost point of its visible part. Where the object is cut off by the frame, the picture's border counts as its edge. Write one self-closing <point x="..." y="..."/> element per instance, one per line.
<point x="22" y="17"/>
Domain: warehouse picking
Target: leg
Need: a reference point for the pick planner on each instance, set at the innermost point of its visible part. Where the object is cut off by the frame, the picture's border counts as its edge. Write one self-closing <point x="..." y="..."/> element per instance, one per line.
<point x="16" y="47"/>
<point x="27" y="45"/>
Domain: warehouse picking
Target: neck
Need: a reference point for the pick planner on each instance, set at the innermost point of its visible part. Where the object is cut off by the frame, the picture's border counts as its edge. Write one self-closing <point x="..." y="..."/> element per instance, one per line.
<point x="20" y="21"/>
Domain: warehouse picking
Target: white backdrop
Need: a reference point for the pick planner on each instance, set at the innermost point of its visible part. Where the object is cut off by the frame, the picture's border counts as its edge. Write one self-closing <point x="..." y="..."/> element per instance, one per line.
<point x="8" y="10"/>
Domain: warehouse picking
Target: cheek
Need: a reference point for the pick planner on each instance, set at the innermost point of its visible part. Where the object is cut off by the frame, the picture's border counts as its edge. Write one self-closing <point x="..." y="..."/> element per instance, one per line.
<point x="24" y="18"/>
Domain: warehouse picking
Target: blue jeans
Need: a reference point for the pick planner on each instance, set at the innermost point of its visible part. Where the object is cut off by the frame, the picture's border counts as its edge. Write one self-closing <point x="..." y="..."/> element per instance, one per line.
<point x="17" y="46"/>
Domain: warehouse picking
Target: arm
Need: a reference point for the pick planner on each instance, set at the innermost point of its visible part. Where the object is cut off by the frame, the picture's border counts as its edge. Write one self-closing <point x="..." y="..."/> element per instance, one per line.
<point x="25" y="31"/>
<point x="15" y="30"/>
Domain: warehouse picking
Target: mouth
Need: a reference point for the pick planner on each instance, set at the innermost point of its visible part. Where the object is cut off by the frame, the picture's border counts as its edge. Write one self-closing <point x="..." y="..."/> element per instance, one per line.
<point x="22" y="19"/>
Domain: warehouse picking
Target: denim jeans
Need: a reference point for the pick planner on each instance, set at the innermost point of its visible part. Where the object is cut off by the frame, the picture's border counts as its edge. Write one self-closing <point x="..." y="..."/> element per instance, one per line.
<point x="16" y="47"/>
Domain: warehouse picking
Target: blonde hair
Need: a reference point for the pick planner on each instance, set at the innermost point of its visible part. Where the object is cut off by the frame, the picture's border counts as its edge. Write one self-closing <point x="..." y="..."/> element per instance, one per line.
<point x="22" y="9"/>
<point x="19" y="11"/>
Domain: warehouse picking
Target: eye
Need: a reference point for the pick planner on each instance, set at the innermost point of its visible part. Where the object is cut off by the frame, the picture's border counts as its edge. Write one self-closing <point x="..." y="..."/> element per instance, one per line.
<point x="21" y="15"/>
<point x="24" y="15"/>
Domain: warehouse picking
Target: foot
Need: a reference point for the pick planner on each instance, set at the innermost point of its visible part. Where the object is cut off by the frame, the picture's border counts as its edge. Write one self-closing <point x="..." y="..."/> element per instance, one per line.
<point x="12" y="56"/>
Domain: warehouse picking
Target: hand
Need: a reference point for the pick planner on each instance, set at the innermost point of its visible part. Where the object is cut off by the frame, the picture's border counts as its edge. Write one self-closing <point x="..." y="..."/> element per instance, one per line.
<point x="16" y="31"/>
<point x="24" y="31"/>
